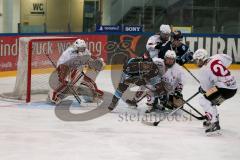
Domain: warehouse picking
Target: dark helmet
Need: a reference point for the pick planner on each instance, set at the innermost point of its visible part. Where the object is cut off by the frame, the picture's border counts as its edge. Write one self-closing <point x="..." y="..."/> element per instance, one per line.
<point x="177" y="35"/>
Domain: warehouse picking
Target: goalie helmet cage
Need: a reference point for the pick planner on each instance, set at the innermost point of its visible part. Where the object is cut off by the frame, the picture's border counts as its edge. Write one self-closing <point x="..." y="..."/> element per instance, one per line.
<point x="37" y="56"/>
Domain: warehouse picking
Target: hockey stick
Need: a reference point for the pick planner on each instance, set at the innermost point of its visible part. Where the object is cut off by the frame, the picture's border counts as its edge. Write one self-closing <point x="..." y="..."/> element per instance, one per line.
<point x="69" y="86"/>
<point x="198" y="118"/>
<point x="191" y="73"/>
<point x="193" y="108"/>
<point x="169" y="114"/>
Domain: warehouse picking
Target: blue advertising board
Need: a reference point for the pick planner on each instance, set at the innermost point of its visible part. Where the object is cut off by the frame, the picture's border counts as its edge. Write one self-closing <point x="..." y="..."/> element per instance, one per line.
<point x="108" y="28"/>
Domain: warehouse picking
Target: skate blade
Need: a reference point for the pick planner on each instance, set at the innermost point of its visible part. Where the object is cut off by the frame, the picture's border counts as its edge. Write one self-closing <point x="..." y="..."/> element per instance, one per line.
<point x="132" y="107"/>
<point x="214" y="134"/>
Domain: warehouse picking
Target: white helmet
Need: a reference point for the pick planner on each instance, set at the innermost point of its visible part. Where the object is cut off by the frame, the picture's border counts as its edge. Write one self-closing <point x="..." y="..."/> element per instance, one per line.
<point x="169" y="58"/>
<point x="200" y="54"/>
<point x="164" y="28"/>
<point x="170" y="54"/>
<point x="80" y="45"/>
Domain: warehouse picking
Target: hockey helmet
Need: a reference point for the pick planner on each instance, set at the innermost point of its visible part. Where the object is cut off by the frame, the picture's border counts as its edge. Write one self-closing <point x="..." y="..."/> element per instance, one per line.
<point x="170" y="58"/>
<point x="165" y="32"/>
<point x="80" y="45"/>
<point x="177" y="35"/>
<point x="200" y="56"/>
<point x="165" y="28"/>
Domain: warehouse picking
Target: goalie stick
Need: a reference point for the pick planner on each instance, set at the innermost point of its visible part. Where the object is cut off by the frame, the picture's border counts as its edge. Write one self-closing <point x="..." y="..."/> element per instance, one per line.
<point x="69" y="85"/>
<point x="171" y="113"/>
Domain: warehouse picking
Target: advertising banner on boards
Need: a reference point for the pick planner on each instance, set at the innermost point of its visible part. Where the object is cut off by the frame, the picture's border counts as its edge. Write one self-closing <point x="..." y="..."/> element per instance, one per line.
<point x="116" y="48"/>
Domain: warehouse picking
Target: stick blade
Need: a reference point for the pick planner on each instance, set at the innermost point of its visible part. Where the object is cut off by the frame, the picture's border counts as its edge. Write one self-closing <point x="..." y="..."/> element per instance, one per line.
<point x="150" y="123"/>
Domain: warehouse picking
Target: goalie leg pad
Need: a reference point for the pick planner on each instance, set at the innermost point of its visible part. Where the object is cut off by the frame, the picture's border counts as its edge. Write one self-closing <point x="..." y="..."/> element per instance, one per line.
<point x="87" y="81"/>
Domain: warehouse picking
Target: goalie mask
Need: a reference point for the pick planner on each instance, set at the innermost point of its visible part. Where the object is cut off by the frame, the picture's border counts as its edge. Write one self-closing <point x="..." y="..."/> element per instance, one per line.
<point x="96" y="64"/>
<point x="80" y="45"/>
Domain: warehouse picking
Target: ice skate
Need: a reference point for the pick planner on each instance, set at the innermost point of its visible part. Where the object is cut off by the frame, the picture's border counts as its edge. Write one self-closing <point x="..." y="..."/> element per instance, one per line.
<point x="213" y="129"/>
<point x="113" y="104"/>
<point x="206" y="123"/>
<point x="132" y="103"/>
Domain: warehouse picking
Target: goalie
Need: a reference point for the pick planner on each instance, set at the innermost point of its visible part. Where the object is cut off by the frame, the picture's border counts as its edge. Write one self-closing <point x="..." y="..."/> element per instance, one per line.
<point x="69" y="73"/>
<point x="216" y="83"/>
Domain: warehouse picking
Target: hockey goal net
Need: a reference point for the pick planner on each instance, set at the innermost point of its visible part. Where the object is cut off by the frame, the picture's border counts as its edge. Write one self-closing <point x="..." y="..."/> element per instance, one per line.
<point x="36" y="60"/>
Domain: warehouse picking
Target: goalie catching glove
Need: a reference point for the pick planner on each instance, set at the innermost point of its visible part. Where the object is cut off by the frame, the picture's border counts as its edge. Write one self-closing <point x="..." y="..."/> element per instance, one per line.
<point x="96" y="64"/>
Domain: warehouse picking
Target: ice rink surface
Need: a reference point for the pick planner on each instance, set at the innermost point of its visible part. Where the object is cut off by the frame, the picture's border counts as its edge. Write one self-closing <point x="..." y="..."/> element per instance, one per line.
<point x="33" y="132"/>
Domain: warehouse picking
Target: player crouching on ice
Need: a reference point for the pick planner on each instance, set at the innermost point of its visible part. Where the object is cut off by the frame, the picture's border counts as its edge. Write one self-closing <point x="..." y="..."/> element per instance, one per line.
<point x="216" y="84"/>
<point x="173" y="79"/>
<point x="69" y="73"/>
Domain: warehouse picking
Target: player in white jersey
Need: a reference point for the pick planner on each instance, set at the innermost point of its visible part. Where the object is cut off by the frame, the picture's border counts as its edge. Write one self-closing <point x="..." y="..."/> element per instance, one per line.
<point x="159" y="39"/>
<point x="216" y="83"/>
<point x="175" y="78"/>
<point x="70" y="70"/>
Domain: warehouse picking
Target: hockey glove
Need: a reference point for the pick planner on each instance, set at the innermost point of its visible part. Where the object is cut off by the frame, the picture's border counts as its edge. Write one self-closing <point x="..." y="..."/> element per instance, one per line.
<point x="180" y="61"/>
<point x="177" y="94"/>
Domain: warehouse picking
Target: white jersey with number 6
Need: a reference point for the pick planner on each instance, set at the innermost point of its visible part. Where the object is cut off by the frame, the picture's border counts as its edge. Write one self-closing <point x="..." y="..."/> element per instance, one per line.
<point x="215" y="73"/>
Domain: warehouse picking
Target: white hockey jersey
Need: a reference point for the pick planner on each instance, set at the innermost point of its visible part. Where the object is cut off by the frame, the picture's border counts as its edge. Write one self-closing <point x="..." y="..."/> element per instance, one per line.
<point x="74" y="59"/>
<point x="215" y="73"/>
<point x="174" y="78"/>
<point x="150" y="46"/>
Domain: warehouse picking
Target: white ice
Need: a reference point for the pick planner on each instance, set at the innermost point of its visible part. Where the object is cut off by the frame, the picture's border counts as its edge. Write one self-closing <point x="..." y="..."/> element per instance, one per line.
<point x="33" y="132"/>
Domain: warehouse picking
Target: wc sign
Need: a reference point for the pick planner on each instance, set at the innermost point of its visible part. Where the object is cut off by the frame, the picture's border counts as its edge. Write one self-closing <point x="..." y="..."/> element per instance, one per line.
<point x="37" y="9"/>
<point x="133" y="29"/>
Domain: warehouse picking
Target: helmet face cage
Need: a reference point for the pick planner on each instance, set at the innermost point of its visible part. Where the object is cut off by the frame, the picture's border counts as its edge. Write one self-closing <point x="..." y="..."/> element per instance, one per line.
<point x="169" y="62"/>
<point x="164" y="36"/>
